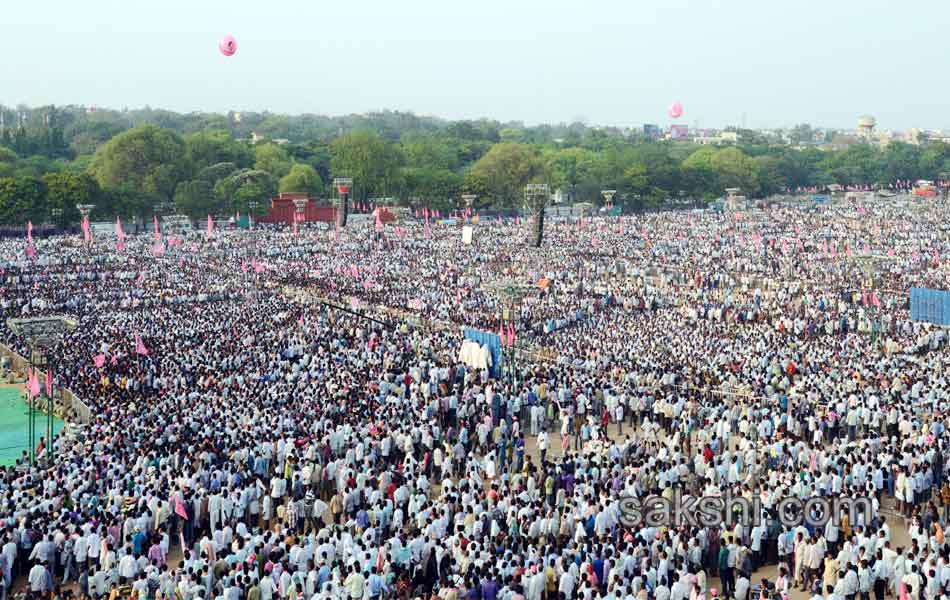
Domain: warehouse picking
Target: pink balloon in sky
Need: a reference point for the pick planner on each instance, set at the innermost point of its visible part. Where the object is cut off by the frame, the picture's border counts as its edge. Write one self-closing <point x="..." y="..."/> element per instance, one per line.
<point x="675" y="110"/>
<point x="227" y="45"/>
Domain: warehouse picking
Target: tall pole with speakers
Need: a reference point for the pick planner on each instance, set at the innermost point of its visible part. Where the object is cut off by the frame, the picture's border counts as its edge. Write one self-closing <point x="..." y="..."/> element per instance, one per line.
<point x="41" y="334"/>
<point x="537" y="196"/>
<point x="342" y="185"/>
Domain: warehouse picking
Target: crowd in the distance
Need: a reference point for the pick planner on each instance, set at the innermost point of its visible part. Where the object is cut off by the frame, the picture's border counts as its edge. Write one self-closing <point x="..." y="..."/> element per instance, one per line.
<point x="257" y="446"/>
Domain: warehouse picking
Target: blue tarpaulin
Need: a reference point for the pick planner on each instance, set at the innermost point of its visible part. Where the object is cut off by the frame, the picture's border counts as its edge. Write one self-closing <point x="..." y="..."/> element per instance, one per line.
<point x="483" y="338"/>
<point x="930" y="306"/>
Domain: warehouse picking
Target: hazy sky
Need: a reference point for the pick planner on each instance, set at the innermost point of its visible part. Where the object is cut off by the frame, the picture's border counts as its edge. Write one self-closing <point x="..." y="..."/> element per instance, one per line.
<point x="778" y="62"/>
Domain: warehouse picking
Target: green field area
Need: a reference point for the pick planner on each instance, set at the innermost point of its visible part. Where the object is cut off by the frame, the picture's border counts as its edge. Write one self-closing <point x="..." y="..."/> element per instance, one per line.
<point x="14" y="425"/>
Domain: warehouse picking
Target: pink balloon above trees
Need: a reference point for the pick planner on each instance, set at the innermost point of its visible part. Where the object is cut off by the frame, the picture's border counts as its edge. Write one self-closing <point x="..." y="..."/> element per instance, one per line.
<point x="675" y="110"/>
<point x="227" y="45"/>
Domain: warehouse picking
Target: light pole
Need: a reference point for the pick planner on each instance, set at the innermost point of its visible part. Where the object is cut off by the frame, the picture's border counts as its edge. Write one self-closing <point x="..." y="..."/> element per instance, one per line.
<point x="537" y="196"/>
<point x="469" y="199"/>
<point x="300" y="205"/>
<point x="41" y="333"/>
<point x="252" y="216"/>
<point x="511" y="294"/>
<point x="342" y="185"/>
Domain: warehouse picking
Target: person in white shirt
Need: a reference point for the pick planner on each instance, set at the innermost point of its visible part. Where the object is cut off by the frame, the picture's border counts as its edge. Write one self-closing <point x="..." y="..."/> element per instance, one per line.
<point x="742" y="588"/>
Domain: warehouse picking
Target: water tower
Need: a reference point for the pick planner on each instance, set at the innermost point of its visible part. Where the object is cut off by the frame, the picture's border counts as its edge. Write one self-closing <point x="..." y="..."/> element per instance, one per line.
<point x="866" y="124"/>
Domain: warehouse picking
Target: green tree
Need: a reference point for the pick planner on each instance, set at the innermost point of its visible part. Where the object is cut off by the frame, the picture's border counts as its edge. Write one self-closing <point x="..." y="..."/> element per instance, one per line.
<point x="216" y="172"/>
<point x="212" y="146"/>
<point x="22" y="199"/>
<point x="301" y="178"/>
<point x="499" y="177"/>
<point x="196" y="198"/>
<point x="147" y="160"/>
<point x="433" y="185"/>
<point x="571" y="167"/>
<point x="273" y="159"/>
<point x="239" y="189"/>
<point x="65" y="190"/>
<point x="373" y="163"/>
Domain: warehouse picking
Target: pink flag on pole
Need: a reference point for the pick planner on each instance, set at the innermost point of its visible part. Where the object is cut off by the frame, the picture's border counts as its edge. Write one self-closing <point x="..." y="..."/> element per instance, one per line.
<point x="379" y="222"/>
<point x="33" y="385"/>
<point x="501" y="334"/>
<point x="120" y="235"/>
<point x="158" y="232"/>
<point x="86" y="231"/>
<point x="49" y="384"/>
<point x="244" y="266"/>
<point x="874" y="300"/>
<point x="29" y="231"/>
<point x="99" y="360"/>
<point x="140" y="346"/>
<point x="210" y="228"/>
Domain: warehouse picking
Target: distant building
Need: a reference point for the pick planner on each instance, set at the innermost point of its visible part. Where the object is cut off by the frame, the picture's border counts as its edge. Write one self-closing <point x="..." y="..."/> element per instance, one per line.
<point x="651" y="131"/>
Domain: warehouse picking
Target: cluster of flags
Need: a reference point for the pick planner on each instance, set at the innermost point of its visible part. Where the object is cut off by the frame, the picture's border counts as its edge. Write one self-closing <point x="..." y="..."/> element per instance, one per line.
<point x="33" y="384"/>
<point x="508" y="338"/>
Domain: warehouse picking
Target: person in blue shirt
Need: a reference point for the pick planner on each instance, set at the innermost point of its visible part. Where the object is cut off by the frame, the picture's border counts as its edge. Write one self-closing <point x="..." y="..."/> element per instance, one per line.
<point x="376" y="585"/>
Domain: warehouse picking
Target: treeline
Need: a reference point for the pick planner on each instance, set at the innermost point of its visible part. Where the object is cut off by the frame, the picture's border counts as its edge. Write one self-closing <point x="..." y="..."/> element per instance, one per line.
<point x="134" y="162"/>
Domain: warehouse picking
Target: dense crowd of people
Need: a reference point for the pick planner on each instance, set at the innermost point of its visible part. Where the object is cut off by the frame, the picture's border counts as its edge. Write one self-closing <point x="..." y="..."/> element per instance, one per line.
<point x="283" y="416"/>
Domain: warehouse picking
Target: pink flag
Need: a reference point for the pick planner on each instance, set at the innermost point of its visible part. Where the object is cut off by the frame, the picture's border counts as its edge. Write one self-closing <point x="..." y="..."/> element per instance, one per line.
<point x="99" y="360"/>
<point x="501" y="334"/>
<point x="140" y="346"/>
<point x="29" y="232"/>
<point x="874" y="300"/>
<point x="31" y="251"/>
<point x="512" y="336"/>
<point x="158" y="232"/>
<point x="158" y="249"/>
<point x="210" y="228"/>
<point x="49" y="384"/>
<point x="33" y="385"/>
<point x="120" y="235"/>
<point x="244" y="266"/>
<point x="86" y="231"/>
<point x="379" y="222"/>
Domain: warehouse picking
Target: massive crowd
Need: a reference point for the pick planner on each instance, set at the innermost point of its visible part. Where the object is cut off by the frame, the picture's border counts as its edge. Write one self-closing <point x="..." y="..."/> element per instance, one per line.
<point x="261" y="444"/>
